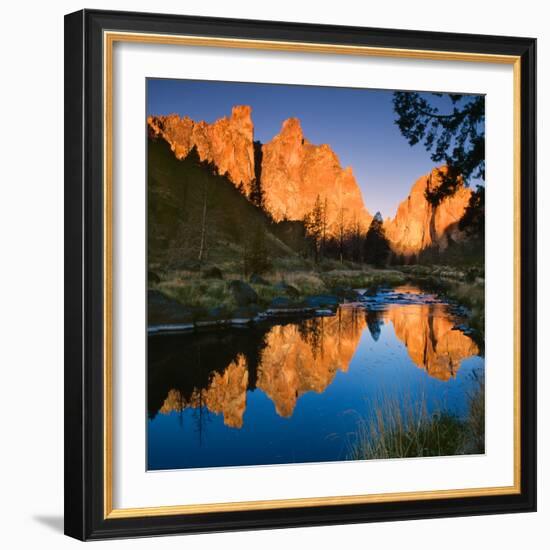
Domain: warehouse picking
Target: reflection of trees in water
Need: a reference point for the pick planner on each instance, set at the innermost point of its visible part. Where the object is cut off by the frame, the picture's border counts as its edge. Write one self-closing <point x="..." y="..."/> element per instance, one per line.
<point x="201" y="415"/>
<point x="311" y="332"/>
<point x="188" y="363"/>
<point x="212" y="372"/>
<point x="432" y="341"/>
<point x="216" y="370"/>
<point x="374" y="323"/>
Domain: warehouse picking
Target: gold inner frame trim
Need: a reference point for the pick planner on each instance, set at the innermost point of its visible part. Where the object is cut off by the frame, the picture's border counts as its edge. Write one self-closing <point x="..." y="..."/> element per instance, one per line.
<point x="109" y="39"/>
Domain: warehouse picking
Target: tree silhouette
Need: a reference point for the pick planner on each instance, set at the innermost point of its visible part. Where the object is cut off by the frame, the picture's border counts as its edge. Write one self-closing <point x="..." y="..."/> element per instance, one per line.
<point x="374" y="323"/>
<point x="341" y="228"/>
<point x="315" y="224"/>
<point x="377" y="247"/>
<point x="456" y="137"/>
<point x="202" y="245"/>
<point x="256" y="253"/>
<point x="256" y="195"/>
<point x="473" y="220"/>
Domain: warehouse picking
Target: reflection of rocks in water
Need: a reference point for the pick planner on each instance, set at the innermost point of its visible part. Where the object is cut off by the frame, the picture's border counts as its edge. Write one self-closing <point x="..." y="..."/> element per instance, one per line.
<point x="226" y="395"/>
<point x="189" y="363"/>
<point x="305" y="357"/>
<point x="284" y="361"/>
<point x="431" y="341"/>
<point x="211" y="372"/>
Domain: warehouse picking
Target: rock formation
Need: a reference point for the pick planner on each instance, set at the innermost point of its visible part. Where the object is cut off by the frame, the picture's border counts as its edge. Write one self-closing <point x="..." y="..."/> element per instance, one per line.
<point x="228" y="143"/>
<point x="294" y="362"/>
<point x="295" y="172"/>
<point x="226" y="395"/>
<point x="418" y="224"/>
<point x="432" y="342"/>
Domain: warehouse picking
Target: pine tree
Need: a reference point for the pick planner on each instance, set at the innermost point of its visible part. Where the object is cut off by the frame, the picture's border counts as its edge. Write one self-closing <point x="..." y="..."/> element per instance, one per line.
<point x="314" y="224"/>
<point x="256" y="253"/>
<point x="202" y="245"/>
<point x="377" y="248"/>
<point x="256" y="195"/>
<point x="455" y="134"/>
<point x="324" y="228"/>
<point x="341" y="234"/>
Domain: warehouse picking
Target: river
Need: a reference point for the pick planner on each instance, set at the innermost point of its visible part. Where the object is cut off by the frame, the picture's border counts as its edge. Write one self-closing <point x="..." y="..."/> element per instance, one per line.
<point x="296" y="390"/>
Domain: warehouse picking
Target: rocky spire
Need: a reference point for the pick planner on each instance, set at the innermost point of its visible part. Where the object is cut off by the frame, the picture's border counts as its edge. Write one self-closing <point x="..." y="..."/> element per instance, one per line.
<point x="418" y="224"/>
<point x="227" y="143"/>
<point x="295" y="172"/>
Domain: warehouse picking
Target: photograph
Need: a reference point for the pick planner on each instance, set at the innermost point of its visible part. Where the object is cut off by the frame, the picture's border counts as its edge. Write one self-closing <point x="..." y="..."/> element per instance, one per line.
<point x="315" y="274"/>
<point x="300" y="273"/>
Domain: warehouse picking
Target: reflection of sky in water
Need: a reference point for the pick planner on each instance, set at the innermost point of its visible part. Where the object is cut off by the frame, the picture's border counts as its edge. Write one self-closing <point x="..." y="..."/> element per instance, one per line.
<point x="320" y="426"/>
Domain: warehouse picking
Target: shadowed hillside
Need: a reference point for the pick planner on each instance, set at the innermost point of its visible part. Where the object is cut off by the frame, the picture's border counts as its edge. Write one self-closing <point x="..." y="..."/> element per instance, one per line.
<point x="195" y="215"/>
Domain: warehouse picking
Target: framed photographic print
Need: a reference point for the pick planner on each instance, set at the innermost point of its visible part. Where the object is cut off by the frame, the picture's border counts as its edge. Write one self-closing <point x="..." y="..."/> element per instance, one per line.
<point x="300" y="274"/>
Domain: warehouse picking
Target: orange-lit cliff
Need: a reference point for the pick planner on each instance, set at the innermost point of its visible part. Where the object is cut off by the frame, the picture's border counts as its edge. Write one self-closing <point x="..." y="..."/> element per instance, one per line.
<point x="295" y="173"/>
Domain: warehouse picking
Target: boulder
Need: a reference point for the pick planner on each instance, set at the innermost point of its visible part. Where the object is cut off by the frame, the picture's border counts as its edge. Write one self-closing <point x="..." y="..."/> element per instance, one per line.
<point x="248" y="313"/>
<point x="289" y="290"/>
<point x="280" y="301"/>
<point x="212" y="273"/>
<point x="256" y="279"/>
<point x="163" y="310"/>
<point x="216" y="313"/>
<point x="322" y="301"/>
<point x="346" y="293"/>
<point x="152" y="278"/>
<point x="243" y="293"/>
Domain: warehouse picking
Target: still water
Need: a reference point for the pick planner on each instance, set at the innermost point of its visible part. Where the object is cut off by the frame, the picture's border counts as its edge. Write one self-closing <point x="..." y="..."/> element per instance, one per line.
<point x="296" y="391"/>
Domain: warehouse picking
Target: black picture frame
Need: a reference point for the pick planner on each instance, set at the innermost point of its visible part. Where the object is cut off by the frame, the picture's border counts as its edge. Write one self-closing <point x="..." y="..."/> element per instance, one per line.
<point x="84" y="281"/>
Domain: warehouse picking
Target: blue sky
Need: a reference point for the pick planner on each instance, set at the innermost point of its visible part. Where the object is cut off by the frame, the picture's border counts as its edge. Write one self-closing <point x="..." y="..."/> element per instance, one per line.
<point x="357" y="123"/>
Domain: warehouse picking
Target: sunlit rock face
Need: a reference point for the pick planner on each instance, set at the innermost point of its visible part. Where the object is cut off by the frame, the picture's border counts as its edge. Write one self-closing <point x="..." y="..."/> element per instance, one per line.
<point x="226" y="395"/>
<point x="295" y="362"/>
<point x="295" y="172"/>
<point x="418" y="224"/>
<point x="227" y="143"/>
<point x="298" y="358"/>
<point x="431" y="341"/>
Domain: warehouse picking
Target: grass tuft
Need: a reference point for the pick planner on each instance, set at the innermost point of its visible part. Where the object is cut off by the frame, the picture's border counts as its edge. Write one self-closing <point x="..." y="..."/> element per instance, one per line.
<point x="401" y="428"/>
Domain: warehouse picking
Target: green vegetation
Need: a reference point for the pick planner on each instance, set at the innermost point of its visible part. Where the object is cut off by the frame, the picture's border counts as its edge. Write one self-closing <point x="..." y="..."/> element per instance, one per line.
<point x="465" y="287"/>
<point x="203" y="233"/>
<point x="377" y="247"/>
<point x="403" y="428"/>
<point x="455" y="136"/>
<point x="191" y="288"/>
<point x="196" y="217"/>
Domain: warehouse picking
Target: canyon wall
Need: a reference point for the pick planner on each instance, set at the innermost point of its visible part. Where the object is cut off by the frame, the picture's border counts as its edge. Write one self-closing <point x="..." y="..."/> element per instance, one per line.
<point x="228" y="142"/>
<point x="418" y="224"/>
<point x="295" y="173"/>
<point x="432" y="341"/>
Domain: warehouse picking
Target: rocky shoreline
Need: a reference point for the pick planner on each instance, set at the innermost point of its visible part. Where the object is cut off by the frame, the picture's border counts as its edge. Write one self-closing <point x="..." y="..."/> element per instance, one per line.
<point x="166" y="315"/>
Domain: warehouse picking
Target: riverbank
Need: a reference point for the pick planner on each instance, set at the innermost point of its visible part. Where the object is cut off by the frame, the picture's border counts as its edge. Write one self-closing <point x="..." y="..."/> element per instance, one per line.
<point x="401" y="428"/>
<point x="185" y="300"/>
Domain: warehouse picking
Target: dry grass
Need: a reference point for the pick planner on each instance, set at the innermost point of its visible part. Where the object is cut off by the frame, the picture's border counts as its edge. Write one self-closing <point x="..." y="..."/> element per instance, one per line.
<point x="199" y="293"/>
<point x="401" y="428"/>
